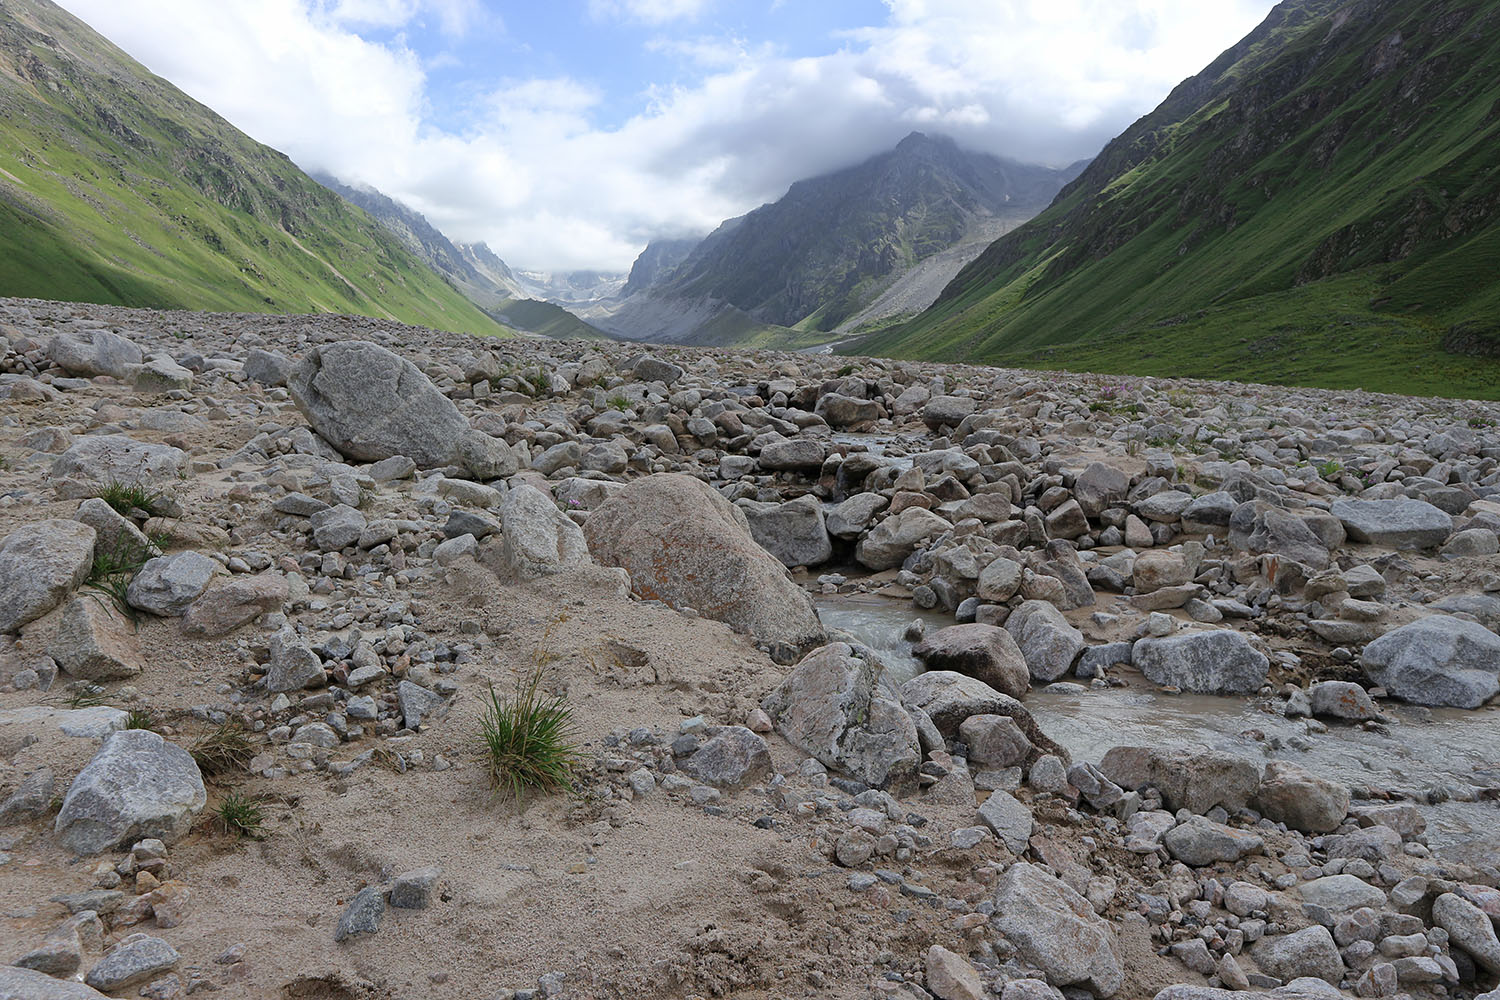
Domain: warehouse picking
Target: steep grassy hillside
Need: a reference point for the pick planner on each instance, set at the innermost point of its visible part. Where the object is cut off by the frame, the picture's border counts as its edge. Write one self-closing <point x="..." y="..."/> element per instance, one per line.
<point x="1321" y="206"/>
<point x="546" y="320"/>
<point x="115" y="187"/>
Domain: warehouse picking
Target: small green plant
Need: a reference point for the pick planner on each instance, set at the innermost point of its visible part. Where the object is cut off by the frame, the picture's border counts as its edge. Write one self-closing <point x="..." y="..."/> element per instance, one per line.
<point x="140" y="718"/>
<point x="113" y="568"/>
<point x="619" y="403"/>
<point x="528" y="740"/>
<point x="126" y="498"/>
<point x="241" y="815"/>
<point x="844" y="372"/>
<point x="84" y="695"/>
<point x="1474" y="422"/>
<point x="1331" y="469"/>
<point x="224" y="749"/>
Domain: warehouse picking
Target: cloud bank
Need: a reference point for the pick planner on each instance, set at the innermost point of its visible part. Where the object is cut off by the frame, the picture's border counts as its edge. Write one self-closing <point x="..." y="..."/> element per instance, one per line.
<point x="527" y="167"/>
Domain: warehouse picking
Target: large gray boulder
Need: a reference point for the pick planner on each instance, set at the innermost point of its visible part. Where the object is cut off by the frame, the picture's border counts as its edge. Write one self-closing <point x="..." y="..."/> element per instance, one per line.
<point x="803" y="454"/>
<point x="1200" y="842"/>
<point x="1262" y="528"/>
<point x="1217" y="662"/>
<point x="27" y="984"/>
<point x="1308" y="952"/>
<point x="1437" y="661"/>
<point x="105" y="458"/>
<point x="40" y="565"/>
<point x="687" y="546"/>
<point x="93" y="352"/>
<point x="371" y="404"/>
<point x="538" y="539"/>
<point x="137" y="786"/>
<point x="1189" y="777"/>
<point x="896" y="537"/>
<point x="949" y="698"/>
<point x="983" y="651"/>
<point x="1395" y="524"/>
<point x="831" y="706"/>
<point x="794" y="532"/>
<point x="1048" y="643"/>
<point x="94" y="642"/>
<point x="1056" y="930"/>
<point x="168" y="585"/>
<point x="1303" y="801"/>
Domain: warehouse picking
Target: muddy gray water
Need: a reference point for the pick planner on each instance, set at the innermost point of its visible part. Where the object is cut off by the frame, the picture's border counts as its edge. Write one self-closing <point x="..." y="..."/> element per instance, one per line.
<point x="1422" y="749"/>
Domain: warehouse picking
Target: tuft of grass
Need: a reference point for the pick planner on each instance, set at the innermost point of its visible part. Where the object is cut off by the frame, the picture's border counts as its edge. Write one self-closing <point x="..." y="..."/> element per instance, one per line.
<point x="85" y="695"/>
<point x="241" y="815"/>
<point x="140" y="718"/>
<point x="620" y="403"/>
<point x="127" y="498"/>
<point x="1331" y="469"/>
<point x="528" y="740"/>
<point x="112" y="570"/>
<point x="225" y="749"/>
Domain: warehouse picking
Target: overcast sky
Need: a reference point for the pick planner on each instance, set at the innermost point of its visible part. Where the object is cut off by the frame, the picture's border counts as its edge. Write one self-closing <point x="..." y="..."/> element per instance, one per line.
<point x="566" y="133"/>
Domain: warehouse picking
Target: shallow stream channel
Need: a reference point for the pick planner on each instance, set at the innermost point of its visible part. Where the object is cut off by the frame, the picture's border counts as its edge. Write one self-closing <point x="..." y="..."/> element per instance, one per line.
<point x="1435" y="757"/>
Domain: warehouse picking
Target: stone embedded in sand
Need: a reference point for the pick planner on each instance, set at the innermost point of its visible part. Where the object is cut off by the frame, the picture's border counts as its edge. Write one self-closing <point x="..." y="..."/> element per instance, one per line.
<point x="137" y="785"/>
<point x="106" y="458"/>
<point x="1056" y="930"/>
<point x="731" y="757"/>
<point x="229" y="603"/>
<point x="1200" y="842"/>
<point x="982" y="651"/>
<point x="293" y="665"/>
<point x="1437" y="661"/>
<point x="1288" y="794"/>
<point x="94" y="352"/>
<point x="134" y="960"/>
<point x="538" y="539"/>
<point x="1189" y="777"/>
<point x="1008" y="819"/>
<point x="1308" y="952"/>
<point x="371" y="404"/>
<point x="1401" y="523"/>
<point x="28" y="984"/>
<point x="951" y="977"/>
<point x="687" y="546"/>
<point x="41" y="563"/>
<point x="168" y="585"/>
<point x="362" y="915"/>
<point x="94" y="642"/>
<point x="831" y="706"/>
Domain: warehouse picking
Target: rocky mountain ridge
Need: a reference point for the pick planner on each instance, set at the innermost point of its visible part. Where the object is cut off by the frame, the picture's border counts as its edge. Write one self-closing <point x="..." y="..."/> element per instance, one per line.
<point x="323" y="547"/>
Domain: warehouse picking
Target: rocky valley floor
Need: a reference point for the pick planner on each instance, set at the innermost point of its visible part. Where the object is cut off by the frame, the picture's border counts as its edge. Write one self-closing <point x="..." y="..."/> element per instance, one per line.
<point x="1199" y="693"/>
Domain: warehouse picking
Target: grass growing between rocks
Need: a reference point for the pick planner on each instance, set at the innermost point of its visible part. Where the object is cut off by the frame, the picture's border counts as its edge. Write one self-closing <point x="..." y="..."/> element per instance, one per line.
<point x="529" y="740"/>
<point x="140" y="718"/>
<point x="241" y="815"/>
<point x="112" y="570"/>
<point x="223" y="750"/>
<point x="127" y="498"/>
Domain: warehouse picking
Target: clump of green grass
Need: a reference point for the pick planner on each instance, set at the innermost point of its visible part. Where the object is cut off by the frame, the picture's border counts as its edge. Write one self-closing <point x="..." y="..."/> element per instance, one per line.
<point x="1331" y="469"/>
<point x="620" y="403"/>
<point x="224" y="749"/>
<point x="140" y="718"/>
<point x="113" y="568"/>
<point x="241" y="815"/>
<point x="84" y="695"/>
<point x="528" y="740"/>
<point x="127" y="498"/>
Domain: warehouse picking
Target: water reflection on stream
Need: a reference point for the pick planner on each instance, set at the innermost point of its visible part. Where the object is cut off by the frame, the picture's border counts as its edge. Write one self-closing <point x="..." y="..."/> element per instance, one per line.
<point x="1423" y="748"/>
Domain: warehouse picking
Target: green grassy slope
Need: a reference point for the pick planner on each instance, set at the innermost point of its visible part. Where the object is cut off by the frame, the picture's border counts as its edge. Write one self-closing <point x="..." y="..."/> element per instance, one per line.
<point x="1319" y="207"/>
<point x="115" y="187"/>
<point x="547" y="320"/>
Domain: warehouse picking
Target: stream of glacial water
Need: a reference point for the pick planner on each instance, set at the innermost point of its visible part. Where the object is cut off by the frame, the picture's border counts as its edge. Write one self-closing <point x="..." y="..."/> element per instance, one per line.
<point x="1421" y="749"/>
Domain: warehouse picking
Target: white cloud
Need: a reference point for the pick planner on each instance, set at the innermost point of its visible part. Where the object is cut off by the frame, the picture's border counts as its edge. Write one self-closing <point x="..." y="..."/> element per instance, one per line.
<point x="648" y="11"/>
<point x="532" y="173"/>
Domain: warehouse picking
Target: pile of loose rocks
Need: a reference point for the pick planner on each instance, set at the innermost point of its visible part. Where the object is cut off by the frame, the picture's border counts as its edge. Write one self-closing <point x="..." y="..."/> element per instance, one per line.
<point x="296" y="556"/>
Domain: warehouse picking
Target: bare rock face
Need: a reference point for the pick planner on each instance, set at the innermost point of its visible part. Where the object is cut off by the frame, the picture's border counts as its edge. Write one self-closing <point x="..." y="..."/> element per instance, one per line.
<point x="40" y="565"/>
<point x="138" y="785"/>
<point x="687" y="546"/>
<point x="371" y="404"/>
<point x="831" y="707"/>
<point x="1055" y="929"/>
